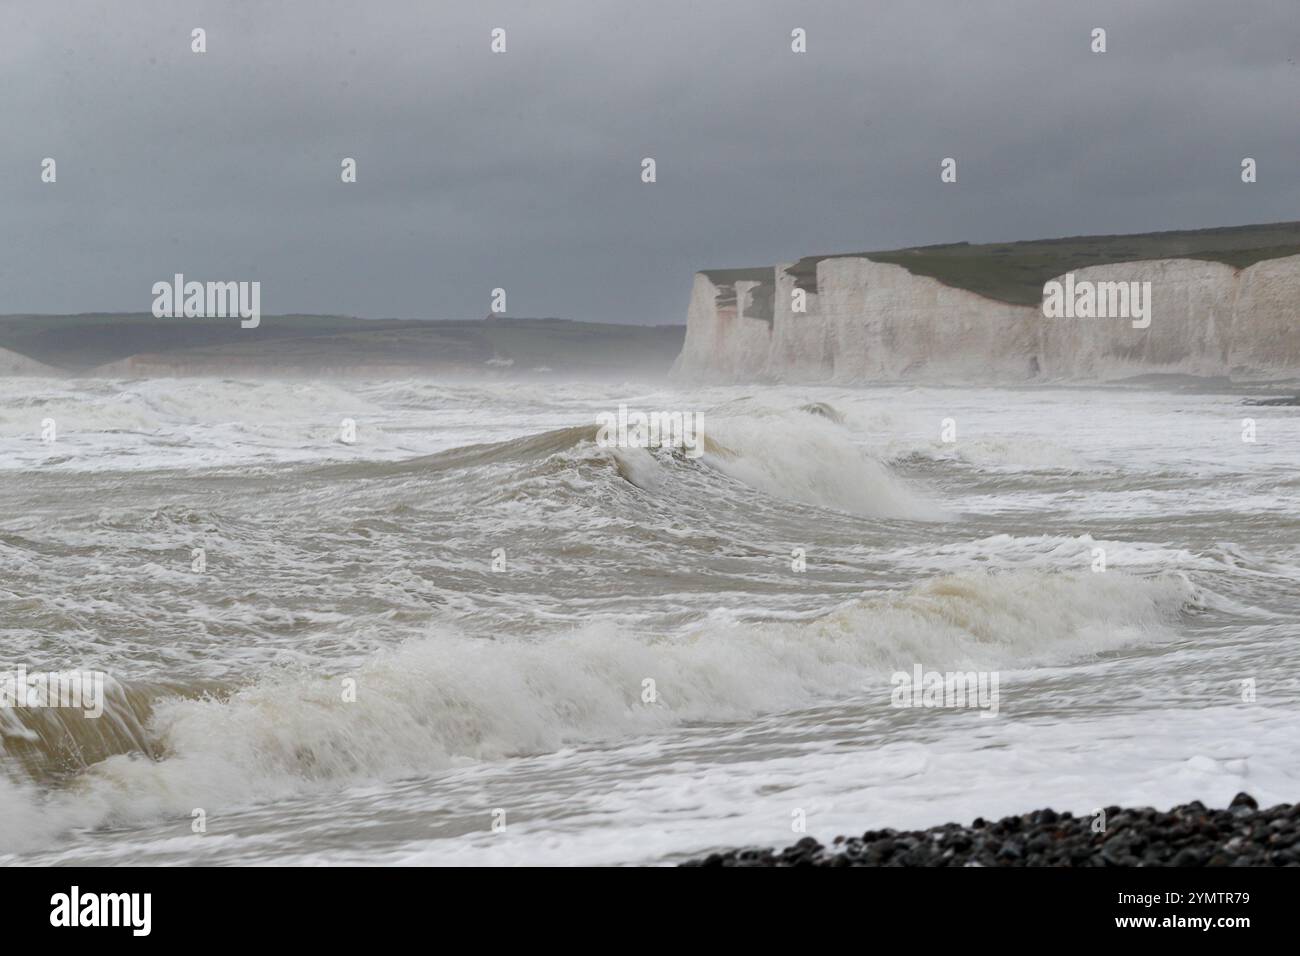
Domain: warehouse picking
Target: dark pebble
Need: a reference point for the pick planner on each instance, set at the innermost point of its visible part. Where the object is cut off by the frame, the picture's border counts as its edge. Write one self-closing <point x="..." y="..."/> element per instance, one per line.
<point x="1243" y="800"/>
<point x="1186" y="836"/>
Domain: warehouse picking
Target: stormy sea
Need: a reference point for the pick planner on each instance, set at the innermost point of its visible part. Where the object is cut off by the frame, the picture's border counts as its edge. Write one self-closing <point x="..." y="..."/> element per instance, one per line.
<point x="406" y="622"/>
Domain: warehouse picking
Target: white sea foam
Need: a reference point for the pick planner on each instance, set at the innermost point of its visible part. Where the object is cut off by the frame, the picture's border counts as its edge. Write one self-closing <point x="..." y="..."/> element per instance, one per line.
<point x="446" y="699"/>
<point x="372" y="561"/>
<point x="809" y="459"/>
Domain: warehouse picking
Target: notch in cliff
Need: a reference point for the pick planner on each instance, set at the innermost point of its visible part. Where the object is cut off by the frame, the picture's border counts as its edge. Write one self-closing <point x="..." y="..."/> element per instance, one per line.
<point x="748" y="291"/>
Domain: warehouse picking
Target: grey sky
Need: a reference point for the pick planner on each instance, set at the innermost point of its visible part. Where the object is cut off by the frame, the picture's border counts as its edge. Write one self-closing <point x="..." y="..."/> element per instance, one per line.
<point x="522" y="170"/>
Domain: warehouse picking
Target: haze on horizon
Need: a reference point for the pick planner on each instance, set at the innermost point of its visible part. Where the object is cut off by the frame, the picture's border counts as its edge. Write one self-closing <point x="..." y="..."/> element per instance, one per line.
<point x="522" y="170"/>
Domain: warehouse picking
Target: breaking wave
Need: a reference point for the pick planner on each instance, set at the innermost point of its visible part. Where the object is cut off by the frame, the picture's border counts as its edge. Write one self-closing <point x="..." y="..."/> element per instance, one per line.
<point x="798" y="458"/>
<point x="446" y="699"/>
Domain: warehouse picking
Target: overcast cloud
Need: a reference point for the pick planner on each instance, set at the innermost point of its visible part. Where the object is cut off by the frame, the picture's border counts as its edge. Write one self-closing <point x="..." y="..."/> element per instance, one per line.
<point x="522" y="170"/>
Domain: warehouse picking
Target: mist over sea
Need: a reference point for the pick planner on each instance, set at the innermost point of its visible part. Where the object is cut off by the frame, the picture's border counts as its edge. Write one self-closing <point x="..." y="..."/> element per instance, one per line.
<point x="494" y="589"/>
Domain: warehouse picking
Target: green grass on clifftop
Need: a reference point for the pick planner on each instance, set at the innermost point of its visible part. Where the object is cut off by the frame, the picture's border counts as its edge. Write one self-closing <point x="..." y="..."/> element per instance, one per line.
<point x="1016" y="271"/>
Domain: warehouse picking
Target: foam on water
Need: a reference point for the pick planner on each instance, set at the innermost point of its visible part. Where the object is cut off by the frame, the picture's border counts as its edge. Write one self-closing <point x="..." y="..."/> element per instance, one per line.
<point x="373" y="562"/>
<point x="445" y="699"/>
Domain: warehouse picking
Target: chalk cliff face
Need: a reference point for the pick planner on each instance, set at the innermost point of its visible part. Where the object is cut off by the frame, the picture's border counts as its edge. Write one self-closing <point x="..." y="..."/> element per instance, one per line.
<point x="867" y="321"/>
<point x="726" y="332"/>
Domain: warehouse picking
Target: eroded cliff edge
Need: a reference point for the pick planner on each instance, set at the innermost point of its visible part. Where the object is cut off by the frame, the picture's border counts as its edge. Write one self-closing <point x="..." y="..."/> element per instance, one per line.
<point x="866" y="320"/>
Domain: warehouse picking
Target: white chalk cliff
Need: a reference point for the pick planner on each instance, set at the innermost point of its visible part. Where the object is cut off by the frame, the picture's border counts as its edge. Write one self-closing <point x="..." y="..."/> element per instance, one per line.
<point x="867" y="321"/>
